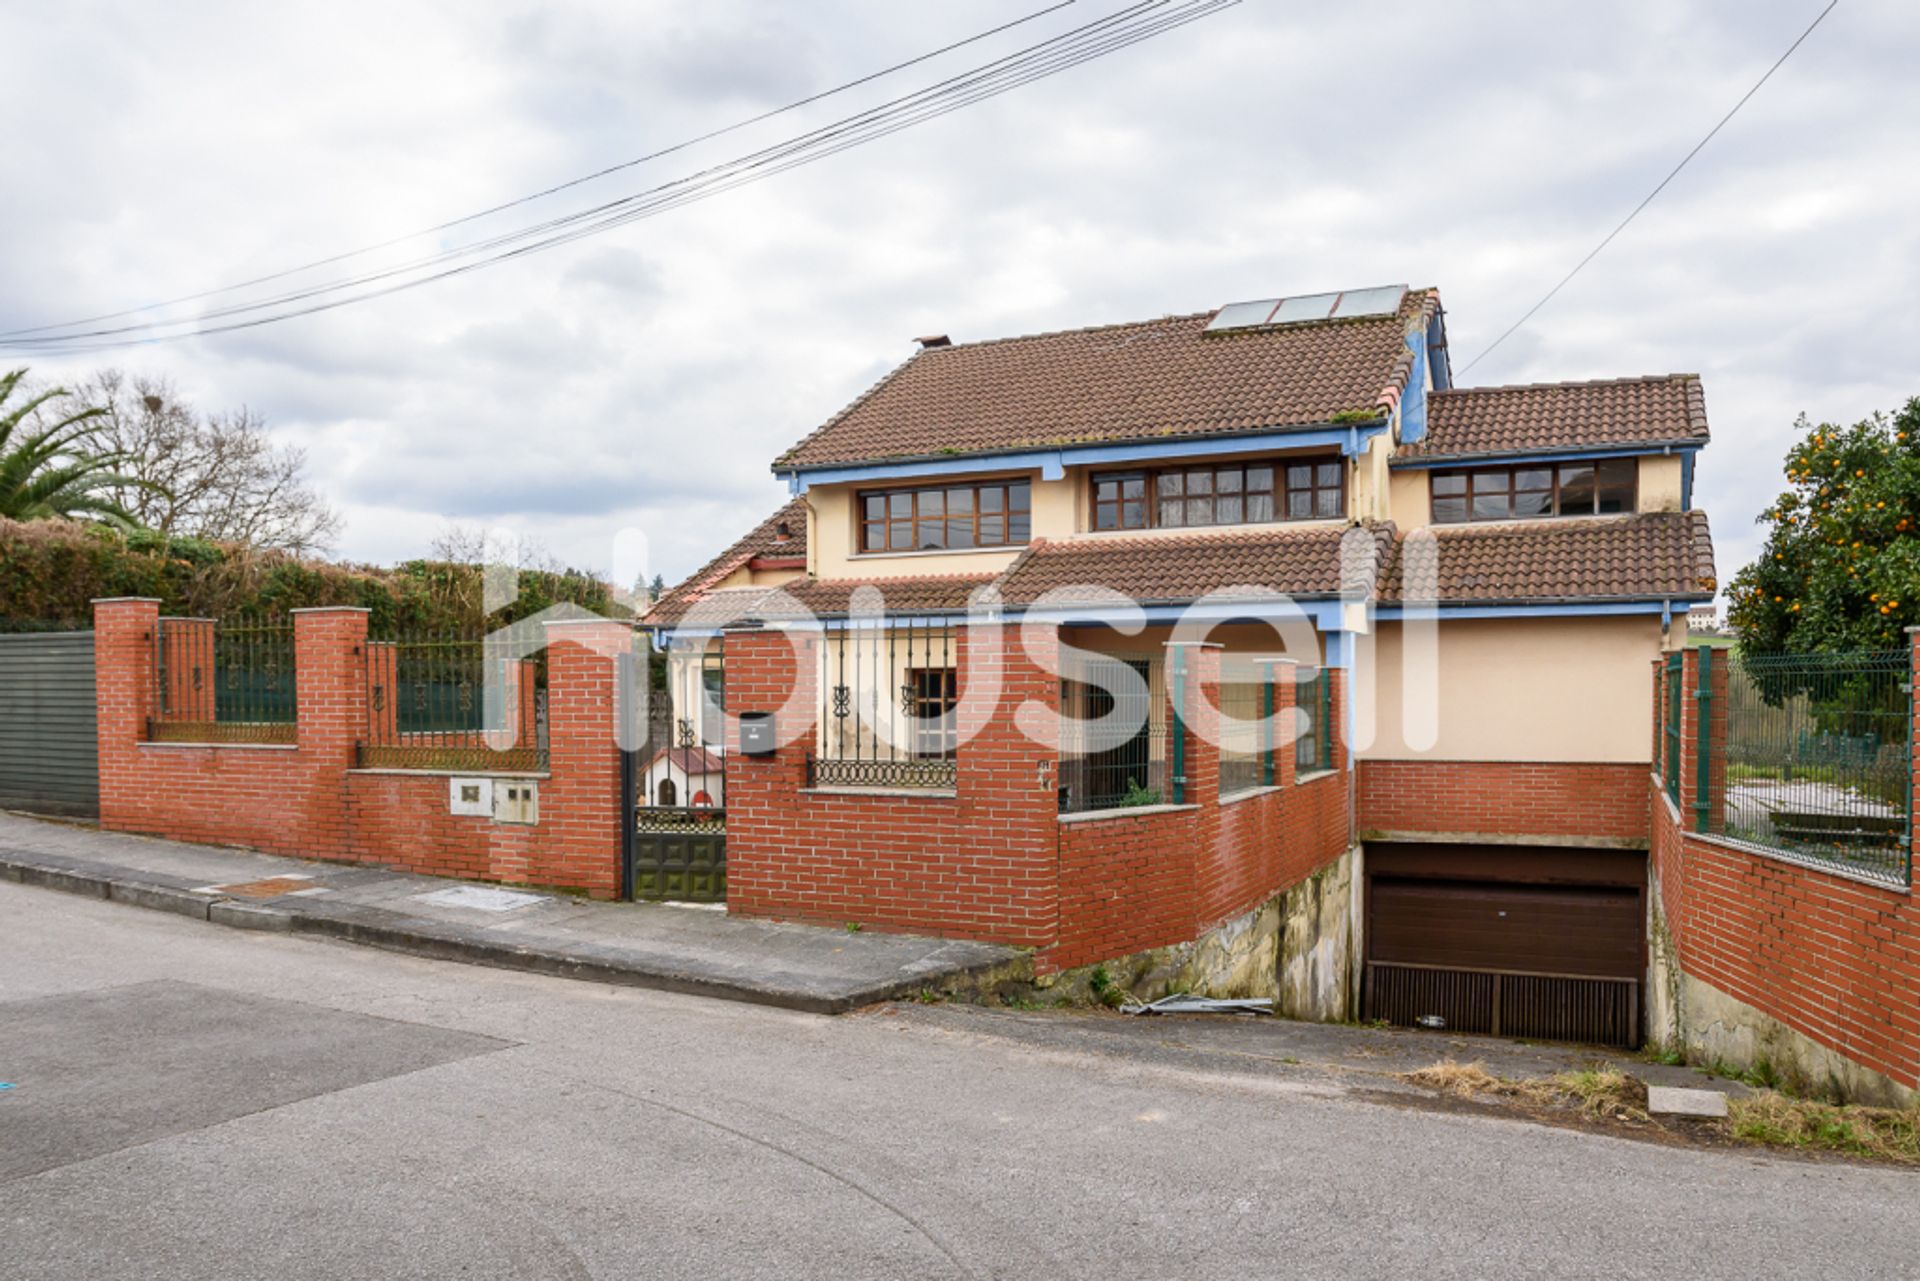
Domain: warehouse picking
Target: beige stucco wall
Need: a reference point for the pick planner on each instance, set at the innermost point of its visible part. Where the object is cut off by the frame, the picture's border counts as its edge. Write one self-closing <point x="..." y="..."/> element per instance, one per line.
<point x="1519" y="689"/>
<point x="1407" y="499"/>
<point x="1369" y="481"/>
<point x="1660" y="483"/>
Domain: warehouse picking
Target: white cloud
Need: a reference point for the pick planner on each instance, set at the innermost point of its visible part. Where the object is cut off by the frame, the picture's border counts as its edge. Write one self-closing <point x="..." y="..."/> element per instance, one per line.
<point x="647" y="377"/>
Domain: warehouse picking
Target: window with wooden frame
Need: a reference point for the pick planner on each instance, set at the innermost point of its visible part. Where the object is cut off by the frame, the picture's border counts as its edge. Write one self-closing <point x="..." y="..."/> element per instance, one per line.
<point x="945" y="517"/>
<point x="1597" y="487"/>
<point x="931" y="694"/>
<point x="1255" y="493"/>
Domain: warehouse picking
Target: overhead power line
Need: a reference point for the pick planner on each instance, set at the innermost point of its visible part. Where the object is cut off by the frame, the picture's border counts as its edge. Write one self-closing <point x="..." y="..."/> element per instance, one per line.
<point x="1125" y="27"/>
<point x="1609" y="238"/>
<point x="557" y="188"/>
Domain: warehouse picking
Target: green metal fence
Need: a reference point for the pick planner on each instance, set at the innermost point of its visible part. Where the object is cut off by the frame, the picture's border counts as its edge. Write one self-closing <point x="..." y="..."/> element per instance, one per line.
<point x="1313" y="699"/>
<point x="447" y="701"/>
<point x="1246" y="702"/>
<point x="1808" y="756"/>
<point x="223" y="680"/>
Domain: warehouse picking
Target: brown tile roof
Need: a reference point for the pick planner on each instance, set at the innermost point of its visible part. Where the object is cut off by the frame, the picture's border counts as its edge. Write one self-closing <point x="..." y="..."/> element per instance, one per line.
<point x="824" y="598"/>
<point x="762" y="540"/>
<point x="1243" y="563"/>
<point x="932" y="593"/>
<point x="1149" y="380"/>
<point x="1548" y="417"/>
<point x="1585" y="558"/>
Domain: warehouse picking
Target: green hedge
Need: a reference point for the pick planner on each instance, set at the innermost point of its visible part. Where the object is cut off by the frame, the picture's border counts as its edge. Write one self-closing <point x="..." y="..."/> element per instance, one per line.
<point x="51" y="570"/>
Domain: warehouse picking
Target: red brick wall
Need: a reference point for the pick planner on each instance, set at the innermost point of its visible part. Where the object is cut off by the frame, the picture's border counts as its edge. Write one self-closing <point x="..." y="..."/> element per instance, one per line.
<point x="976" y="864"/>
<point x="1833" y="958"/>
<point x="994" y="860"/>
<point x="308" y="800"/>
<point x="1133" y="882"/>
<point x="1526" y="798"/>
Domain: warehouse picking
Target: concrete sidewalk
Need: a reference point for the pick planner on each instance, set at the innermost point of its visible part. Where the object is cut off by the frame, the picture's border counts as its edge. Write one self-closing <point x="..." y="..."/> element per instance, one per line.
<point x="681" y="949"/>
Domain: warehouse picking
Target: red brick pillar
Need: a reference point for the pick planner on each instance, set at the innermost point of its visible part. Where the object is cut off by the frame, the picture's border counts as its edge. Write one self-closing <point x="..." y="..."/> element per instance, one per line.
<point x="768" y="671"/>
<point x="1009" y="770"/>
<point x="1198" y="713"/>
<point x="1280" y="673"/>
<point x="123" y="637"/>
<point x="330" y="678"/>
<point x="581" y="809"/>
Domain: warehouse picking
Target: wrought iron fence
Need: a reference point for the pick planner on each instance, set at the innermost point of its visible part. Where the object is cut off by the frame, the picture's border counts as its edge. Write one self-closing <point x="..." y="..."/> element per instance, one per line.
<point x="1246" y="699"/>
<point x="450" y="702"/>
<point x="1313" y="705"/>
<point x="890" y="692"/>
<point x="1115" y="741"/>
<point x="1809" y="757"/>
<point x="223" y="681"/>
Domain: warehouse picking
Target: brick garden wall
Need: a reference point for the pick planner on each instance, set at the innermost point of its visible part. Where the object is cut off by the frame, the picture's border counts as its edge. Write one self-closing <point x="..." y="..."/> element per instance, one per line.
<point x="977" y="863"/>
<point x="1833" y="958"/>
<point x="307" y="799"/>
<point x="1545" y="799"/>
<point x="995" y="860"/>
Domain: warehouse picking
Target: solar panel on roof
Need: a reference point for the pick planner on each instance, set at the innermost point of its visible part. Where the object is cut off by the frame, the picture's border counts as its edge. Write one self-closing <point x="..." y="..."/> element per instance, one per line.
<point x="1304" y="307"/>
<point x="1240" y="315"/>
<point x="1381" y="300"/>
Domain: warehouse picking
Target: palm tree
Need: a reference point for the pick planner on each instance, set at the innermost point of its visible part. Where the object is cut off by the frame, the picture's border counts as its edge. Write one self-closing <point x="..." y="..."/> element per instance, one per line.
<point x="48" y="471"/>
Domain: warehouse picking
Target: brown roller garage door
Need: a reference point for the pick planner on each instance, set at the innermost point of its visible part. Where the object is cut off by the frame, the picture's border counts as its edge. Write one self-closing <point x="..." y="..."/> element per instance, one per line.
<point x="1519" y="942"/>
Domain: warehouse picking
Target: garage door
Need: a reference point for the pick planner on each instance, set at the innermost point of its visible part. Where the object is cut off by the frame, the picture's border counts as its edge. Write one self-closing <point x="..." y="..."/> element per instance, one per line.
<point x="1535" y="953"/>
<point x="49" y="755"/>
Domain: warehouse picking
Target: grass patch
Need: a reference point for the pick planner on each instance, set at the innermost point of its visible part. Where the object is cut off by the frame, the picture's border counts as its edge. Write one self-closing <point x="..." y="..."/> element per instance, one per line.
<point x="1886" y="1134"/>
<point x="1607" y="1093"/>
<point x="1598" y="1092"/>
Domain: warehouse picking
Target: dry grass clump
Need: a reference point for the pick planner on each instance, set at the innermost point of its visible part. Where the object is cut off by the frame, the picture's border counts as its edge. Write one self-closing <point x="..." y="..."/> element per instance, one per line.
<point x="1464" y="1080"/>
<point x="1887" y="1134"/>
<point x="1602" y="1091"/>
<point x="1605" y="1092"/>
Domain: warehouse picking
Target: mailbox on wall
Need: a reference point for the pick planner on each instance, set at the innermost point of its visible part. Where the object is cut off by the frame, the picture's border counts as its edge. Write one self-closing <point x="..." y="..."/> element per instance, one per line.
<point x="756" y="733"/>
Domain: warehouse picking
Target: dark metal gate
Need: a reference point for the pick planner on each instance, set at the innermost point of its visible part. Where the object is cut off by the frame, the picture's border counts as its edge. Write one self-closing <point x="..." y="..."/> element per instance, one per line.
<point x="49" y="750"/>
<point x="674" y="780"/>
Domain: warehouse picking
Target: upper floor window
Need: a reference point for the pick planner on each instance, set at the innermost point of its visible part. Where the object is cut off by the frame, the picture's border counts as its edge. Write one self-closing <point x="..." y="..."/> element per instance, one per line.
<point x="1234" y="494"/>
<point x="998" y="514"/>
<point x="1594" y="488"/>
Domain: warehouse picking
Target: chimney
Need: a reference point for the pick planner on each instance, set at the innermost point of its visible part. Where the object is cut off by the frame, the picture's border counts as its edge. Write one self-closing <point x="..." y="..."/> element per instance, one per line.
<point x="930" y="341"/>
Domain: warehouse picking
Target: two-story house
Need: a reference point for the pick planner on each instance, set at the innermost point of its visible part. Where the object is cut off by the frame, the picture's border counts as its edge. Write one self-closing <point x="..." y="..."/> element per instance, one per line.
<point x="1111" y="640"/>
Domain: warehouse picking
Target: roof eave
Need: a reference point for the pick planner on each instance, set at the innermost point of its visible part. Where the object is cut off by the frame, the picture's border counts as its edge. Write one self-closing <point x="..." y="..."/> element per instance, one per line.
<point x="1622" y="449"/>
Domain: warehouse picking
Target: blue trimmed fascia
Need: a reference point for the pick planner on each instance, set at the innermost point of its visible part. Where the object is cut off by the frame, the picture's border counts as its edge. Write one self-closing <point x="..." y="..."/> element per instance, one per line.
<point x="1686" y="453"/>
<point x="1413" y="401"/>
<point x="1052" y="464"/>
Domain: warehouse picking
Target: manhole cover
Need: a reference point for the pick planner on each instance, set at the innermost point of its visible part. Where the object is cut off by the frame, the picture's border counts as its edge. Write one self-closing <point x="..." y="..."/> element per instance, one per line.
<point x="481" y="899"/>
<point x="271" y="887"/>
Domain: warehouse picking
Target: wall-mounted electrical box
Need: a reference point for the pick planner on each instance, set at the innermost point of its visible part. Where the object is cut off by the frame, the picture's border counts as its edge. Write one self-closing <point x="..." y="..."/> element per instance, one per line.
<point x="472" y="796"/>
<point x="516" y="800"/>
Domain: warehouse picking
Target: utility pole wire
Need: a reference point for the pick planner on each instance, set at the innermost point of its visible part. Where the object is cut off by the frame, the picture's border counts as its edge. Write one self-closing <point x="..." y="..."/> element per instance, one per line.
<point x="1595" y="252"/>
<point x="557" y="187"/>
<point x="1094" y="39"/>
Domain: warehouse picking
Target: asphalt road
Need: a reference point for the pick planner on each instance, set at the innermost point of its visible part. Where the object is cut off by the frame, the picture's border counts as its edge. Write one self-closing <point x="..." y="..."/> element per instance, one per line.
<point x="195" y="1102"/>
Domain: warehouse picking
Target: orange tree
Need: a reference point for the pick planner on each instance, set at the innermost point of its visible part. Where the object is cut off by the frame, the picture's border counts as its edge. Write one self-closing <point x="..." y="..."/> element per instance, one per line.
<point x="1841" y="569"/>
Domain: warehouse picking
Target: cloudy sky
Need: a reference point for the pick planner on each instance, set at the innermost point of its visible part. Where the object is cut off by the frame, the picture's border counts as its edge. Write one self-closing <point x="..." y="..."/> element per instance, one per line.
<point x="647" y="376"/>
